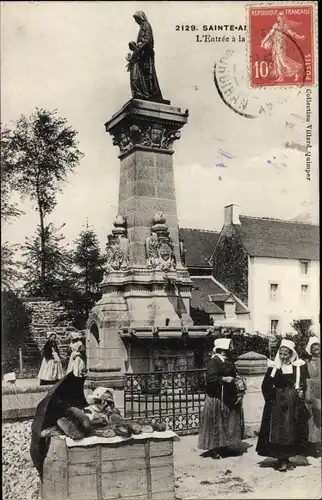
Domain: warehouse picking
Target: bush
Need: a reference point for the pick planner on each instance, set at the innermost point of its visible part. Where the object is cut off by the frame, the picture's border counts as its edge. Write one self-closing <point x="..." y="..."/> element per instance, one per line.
<point x="299" y="340"/>
<point x="16" y="321"/>
<point x="268" y="346"/>
<point x="200" y="317"/>
<point x="246" y="343"/>
<point x="243" y="343"/>
<point x="301" y="336"/>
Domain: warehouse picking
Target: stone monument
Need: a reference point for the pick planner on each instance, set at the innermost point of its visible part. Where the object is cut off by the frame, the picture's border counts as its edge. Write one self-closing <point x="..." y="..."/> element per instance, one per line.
<point x="252" y="366"/>
<point x="146" y="286"/>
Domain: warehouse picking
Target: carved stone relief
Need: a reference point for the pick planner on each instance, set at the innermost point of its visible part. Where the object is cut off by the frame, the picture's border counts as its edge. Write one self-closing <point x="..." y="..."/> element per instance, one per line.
<point x="170" y="360"/>
<point x="145" y="134"/>
<point x="159" y="246"/>
<point x="117" y="247"/>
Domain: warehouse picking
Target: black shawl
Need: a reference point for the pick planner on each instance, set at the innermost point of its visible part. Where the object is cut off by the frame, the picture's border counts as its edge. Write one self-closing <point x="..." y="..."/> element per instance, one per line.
<point x="69" y="391"/>
<point x="216" y="388"/>
<point x="270" y="385"/>
<point x="48" y="349"/>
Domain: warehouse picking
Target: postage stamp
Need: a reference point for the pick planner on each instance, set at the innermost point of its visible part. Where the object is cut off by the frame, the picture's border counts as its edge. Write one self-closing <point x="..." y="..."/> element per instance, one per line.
<point x="281" y="45"/>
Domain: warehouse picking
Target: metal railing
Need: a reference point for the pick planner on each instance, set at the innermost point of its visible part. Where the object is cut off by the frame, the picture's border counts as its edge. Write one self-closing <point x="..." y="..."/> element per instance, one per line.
<point x="174" y="398"/>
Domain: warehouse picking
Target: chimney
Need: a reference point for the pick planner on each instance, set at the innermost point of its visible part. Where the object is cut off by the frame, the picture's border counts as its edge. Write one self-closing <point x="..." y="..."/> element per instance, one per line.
<point x="231" y="214"/>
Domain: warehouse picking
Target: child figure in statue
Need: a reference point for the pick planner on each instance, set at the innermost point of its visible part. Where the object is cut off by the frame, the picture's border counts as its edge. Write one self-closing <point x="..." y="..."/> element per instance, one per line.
<point x="138" y="87"/>
<point x="130" y="56"/>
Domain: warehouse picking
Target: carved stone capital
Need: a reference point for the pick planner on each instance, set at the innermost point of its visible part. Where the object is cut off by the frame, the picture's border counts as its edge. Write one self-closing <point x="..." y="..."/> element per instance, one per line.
<point x="146" y="125"/>
<point x="145" y="135"/>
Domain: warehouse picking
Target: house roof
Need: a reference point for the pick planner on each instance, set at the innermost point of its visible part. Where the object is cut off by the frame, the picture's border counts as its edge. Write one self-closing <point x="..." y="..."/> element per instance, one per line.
<point x="210" y="296"/>
<point x="200" y="294"/>
<point x="221" y="297"/>
<point x="264" y="237"/>
<point x="199" y="244"/>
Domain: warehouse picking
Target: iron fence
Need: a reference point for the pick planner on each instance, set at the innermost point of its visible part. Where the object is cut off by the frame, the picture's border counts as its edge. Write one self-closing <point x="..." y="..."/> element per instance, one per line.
<point x="173" y="398"/>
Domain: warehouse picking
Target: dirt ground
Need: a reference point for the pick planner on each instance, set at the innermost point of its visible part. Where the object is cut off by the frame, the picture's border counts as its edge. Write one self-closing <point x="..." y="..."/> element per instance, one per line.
<point x="245" y="476"/>
<point x="241" y="477"/>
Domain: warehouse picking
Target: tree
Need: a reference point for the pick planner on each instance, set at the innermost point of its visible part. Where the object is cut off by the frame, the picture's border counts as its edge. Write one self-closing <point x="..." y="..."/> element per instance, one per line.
<point x="9" y="211"/>
<point x="9" y="179"/>
<point x="55" y="280"/>
<point x="10" y="273"/>
<point x="88" y="270"/>
<point x="42" y="149"/>
<point x="303" y="327"/>
<point x="89" y="262"/>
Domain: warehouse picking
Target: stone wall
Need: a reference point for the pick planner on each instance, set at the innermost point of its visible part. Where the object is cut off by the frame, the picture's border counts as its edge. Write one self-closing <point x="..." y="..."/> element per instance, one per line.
<point x="47" y="315"/>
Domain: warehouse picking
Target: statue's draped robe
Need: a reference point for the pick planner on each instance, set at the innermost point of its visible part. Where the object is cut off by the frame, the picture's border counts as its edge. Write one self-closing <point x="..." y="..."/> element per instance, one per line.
<point x="144" y="81"/>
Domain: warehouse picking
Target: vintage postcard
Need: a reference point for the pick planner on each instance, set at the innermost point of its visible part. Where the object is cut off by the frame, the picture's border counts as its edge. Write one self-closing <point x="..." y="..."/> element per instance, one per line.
<point x="160" y="250"/>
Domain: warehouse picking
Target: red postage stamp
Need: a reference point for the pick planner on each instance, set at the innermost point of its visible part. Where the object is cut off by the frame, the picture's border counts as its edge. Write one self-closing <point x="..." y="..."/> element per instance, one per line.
<point x="281" y="47"/>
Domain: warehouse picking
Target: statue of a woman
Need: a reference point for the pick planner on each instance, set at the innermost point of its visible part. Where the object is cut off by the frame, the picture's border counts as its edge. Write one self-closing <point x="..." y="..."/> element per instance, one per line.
<point x="151" y="249"/>
<point x="143" y="77"/>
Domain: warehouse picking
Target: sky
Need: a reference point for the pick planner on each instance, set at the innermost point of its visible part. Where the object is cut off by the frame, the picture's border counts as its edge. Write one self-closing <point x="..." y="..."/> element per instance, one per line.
<point x="70" y="56"/>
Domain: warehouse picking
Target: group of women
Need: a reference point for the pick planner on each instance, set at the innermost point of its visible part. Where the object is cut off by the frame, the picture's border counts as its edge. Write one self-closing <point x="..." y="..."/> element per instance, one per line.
<point x="291" y="421"/>
<point x="51" y="369"/>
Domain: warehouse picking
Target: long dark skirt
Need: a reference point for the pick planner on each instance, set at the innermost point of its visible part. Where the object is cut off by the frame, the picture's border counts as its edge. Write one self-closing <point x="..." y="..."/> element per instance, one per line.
<point x="283" y="431"/>
<point x="48" y="382"/>
<point x="221" y="427"/>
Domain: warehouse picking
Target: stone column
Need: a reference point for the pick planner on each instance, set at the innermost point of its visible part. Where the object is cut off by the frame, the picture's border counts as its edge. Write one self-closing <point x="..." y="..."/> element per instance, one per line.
<point x="145" y="131"/>
<point x="253" y="366"/>
<point x="146" y="283"/>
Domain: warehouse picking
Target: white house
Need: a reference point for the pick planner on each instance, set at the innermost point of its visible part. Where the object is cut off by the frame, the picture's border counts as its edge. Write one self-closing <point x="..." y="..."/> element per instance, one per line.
<point x="273" y="266"/>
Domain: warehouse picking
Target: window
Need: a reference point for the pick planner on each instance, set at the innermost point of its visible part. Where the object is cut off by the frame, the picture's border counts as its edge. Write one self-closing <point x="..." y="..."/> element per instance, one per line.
<point x="274" y="326"/>
<point x="304" y="265"/>
<point x="273" y="291"/>
<point x="304" y="290"/>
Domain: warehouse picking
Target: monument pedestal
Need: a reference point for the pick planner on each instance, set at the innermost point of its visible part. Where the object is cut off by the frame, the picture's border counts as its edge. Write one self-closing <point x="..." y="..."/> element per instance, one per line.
<point x="145" y="283"/>
<point x="252" y="366"/>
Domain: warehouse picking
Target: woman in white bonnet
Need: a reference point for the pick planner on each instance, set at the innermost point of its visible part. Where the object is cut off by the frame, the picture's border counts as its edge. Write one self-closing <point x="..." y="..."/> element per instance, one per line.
<point x="283" y="431"/>
<point x="221" y="425"/>
<point x="51" y="369"/>
<point x="76" y="361"/>
<point x="313" y="395"/>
